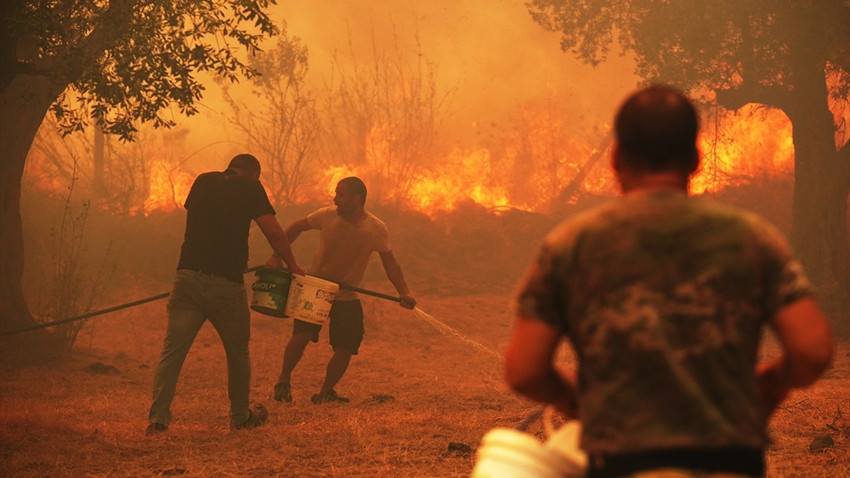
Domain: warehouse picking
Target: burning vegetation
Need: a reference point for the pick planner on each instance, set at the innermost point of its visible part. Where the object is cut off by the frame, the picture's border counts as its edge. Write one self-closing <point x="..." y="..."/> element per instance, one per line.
<point x="531" y="170"/>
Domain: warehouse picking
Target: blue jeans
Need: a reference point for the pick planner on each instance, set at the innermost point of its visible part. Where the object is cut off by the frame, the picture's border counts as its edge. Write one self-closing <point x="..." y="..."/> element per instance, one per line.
<point x="195" y="298"/>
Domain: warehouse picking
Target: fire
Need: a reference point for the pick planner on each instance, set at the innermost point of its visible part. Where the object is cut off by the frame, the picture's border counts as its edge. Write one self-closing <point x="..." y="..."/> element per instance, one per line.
<point x="534" y="170"/>
<point x="753" y="142"/>
<point x="168" y="188"/>
<point x="461" y="180"/>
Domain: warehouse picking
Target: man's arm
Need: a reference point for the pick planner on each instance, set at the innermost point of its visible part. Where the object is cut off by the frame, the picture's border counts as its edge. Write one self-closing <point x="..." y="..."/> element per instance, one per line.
<point x="296" y="228"/>
<point x="394" y="274"/>
<point x="280" y="243"/>
<point x="806" y="338"/>
<point x="529" y="366"/>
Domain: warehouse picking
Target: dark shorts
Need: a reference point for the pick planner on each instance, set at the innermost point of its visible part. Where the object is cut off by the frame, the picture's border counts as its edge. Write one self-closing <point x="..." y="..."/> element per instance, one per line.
<point x="346" y="326"/>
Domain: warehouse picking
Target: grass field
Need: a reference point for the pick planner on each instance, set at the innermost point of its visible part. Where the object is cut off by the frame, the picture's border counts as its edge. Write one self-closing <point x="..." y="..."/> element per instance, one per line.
<point x="424" y="390"/>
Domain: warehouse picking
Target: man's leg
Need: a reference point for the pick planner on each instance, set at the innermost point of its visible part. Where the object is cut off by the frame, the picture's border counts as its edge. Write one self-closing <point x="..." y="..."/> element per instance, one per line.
<point x="302" y="334"/>
<point x="185" y="318"/>
<point x="229" y="314"/>
<point x="346" y="335"/>
<point x="292" y="354"/>
<point x="337" y="366"/>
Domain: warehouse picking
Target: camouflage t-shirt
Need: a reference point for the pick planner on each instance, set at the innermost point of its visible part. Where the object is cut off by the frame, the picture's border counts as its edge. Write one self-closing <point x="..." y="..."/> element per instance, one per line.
<point x="663" y="297"/>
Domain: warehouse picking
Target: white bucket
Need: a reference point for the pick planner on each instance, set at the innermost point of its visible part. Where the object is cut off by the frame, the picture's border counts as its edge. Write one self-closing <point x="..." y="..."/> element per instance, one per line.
<point x="508" y="453"/>
<point x="310" y="299"/>
<point x="566" y="442"/>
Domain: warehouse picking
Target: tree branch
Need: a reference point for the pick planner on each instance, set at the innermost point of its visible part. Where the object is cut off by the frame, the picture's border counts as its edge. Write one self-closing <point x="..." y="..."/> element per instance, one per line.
<point x="109" y="29"/>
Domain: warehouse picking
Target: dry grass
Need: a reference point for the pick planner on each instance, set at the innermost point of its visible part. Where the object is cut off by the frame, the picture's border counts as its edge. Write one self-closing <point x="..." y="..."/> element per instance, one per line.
<point x="420" y="394"/>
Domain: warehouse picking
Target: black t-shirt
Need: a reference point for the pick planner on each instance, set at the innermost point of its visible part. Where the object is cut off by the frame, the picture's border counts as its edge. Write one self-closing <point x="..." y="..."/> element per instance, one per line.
<point x="220" y="208"/>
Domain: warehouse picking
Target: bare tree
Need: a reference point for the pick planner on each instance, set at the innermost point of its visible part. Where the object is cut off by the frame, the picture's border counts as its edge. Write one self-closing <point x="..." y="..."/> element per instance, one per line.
<point x="543" y="152"/>
<point x="283" y="125"/>
<point x="384" y="118"/>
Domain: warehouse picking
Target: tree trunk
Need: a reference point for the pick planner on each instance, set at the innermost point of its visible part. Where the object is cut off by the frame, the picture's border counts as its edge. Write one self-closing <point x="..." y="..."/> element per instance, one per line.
<point x="23" y="105"/>
<point x="820" y="219"/>
<point x="99" y="157"/>
<point x="821" y="187"/>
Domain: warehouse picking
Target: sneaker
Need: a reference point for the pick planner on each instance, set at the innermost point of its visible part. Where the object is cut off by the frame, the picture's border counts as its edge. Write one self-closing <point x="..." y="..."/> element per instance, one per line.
<point x="329" y="396"/>
<point x="155" y="427"/>
<point x="256" y="417"/>
<point x="283" y="392"/>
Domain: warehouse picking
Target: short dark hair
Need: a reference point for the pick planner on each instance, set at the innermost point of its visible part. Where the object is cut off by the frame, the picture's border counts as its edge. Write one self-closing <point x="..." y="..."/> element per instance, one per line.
<point x="245" y="163"/>
<point x="656" y="130"/>
<point x="355" y="186"/>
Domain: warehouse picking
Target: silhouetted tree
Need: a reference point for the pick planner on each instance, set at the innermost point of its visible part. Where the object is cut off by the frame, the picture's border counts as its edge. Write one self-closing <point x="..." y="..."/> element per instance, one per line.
<point x="116" y="62"/>
<point x="773" y="53"/>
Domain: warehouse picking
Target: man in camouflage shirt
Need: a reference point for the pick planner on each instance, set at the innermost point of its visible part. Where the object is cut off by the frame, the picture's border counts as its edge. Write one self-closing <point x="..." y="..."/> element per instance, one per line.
<point x="663" y="297"/>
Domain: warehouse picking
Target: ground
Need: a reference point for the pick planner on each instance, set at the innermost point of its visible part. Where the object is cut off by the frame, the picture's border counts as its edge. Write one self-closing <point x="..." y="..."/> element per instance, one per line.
<point x="425" y="389"/>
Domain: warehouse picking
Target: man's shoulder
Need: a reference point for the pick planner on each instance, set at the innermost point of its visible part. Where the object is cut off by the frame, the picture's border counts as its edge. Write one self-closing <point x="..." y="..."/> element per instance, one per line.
<point x="221" y="177"/>
<point x="321" y="217"/>
<point x="625" y="213"/>
<point x="321" y="213"/>
<point x="209" y="176"/>
<point x="206" y="182"/>
<point x="592" y="218"/>
<point x="374" y="220"/>
<point x="730" y="213"/>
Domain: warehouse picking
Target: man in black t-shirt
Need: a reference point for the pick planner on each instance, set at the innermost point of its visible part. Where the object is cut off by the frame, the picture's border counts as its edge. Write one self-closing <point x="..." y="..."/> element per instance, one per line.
<point x="209" y="285"/>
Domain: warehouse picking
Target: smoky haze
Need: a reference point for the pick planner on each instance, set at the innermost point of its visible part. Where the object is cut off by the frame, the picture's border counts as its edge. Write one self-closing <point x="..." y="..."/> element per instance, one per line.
<point x="490" y="58"/>
<point x="491" y="52"/>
